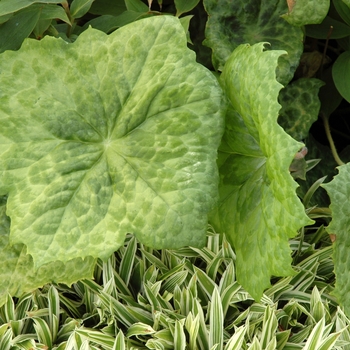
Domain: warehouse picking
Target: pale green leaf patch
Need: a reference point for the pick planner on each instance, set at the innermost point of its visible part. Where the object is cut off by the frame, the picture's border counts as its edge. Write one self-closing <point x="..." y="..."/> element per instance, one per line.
<point x="17" y="267"/>
<point x="108" y="135"/>
<point x="259" y="210"/>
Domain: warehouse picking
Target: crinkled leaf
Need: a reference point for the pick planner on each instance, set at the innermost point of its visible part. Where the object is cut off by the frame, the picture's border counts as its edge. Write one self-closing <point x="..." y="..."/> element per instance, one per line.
<point x="303" y="12"/>
<point x="259" y="210"/>
<point x="300" y="107"/>
<point x="108" y="135"/>
<point x="232" y="23"/>
<point x="339" y="192"/>
<point x="17" y="268"/>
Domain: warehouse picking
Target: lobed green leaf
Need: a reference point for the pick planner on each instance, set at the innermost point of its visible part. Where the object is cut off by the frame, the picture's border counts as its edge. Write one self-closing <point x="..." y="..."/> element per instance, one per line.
<point x="259" y="210"/>
<point x="120" y="137"/>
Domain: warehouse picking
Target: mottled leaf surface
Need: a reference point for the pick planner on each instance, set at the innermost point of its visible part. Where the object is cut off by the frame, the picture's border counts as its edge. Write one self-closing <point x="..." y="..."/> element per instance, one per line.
<point x="259" y="210"/>
<point x="232" y="23"/>
<point x="300" y="106"/>
<point x="339" y="192"/>
<point x="17" y="268"/>
<point x="304" y="12"/>
<point x="108" y="135"/>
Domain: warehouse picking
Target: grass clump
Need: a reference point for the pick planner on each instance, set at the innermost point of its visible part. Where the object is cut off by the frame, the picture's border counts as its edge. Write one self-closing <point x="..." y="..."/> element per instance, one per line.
<point x="182" y="299"/>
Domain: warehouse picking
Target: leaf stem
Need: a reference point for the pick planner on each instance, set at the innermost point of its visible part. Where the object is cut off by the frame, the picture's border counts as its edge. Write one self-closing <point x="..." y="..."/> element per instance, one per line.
<point x="326" y="47"/>
<point x="65" y="6"/>
<point x="330" y="139"/>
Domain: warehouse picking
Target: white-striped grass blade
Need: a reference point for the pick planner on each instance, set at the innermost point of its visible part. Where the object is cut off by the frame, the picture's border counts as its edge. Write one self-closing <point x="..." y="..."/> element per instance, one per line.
<point x="140" y="329"/>
<point x="216" y="320"/>
<point x="228" y="277"/>
<point x="127" y="261"/>
<point x="269" y="327"/>
<point x="5" y="340"/>
<point x="119" y="343"/>
<point x="179" y="336"/>
<point x="203" y="336"/>
<point x="192" y="327"/>
<point x="43" y="331"/>
<point x="236" y="341"/>
<point x="54" y="311"/>
<point x="315" y="339"/>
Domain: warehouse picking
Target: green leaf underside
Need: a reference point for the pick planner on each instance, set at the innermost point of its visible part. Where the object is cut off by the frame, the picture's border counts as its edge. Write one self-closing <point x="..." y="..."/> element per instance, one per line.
<point x="17" y="267"/>
<point x="339" y="192"/>
<point x="300" y="106"/>
<point x="259" y="210"/>
<point x="121" y="136"/>
<point x="232" y="23"/>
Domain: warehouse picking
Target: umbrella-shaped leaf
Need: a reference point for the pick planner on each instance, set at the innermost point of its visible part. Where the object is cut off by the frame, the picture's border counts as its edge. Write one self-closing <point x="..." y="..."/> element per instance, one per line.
<point x="108" y="135"/>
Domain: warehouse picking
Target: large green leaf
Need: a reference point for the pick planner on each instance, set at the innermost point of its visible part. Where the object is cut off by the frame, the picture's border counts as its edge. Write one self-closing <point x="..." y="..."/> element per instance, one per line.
<point x="108" y="135"/>
<point x="339" y="192"/>
<point x="232" y="23"/>
<point x="17" y="268"/>
<point x="259" y="210"/>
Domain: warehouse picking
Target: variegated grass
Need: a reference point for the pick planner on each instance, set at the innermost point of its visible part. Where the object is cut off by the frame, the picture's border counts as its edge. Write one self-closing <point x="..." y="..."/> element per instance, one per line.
<point x="182" y="299"/>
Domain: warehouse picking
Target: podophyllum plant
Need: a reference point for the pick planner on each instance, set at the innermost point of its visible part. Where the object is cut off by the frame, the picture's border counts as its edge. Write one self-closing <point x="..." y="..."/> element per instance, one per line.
<point x="110" y="134"/>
